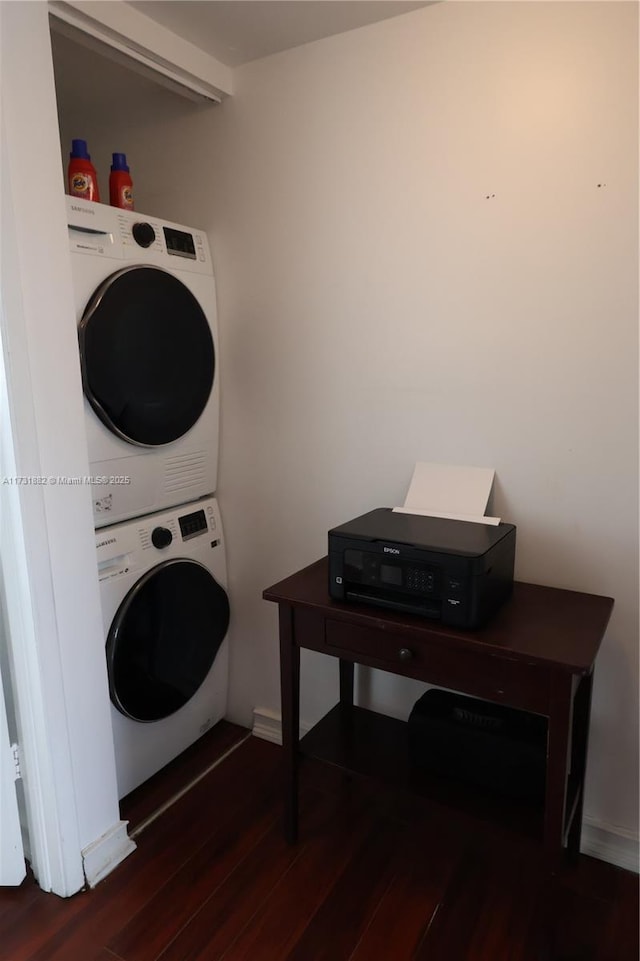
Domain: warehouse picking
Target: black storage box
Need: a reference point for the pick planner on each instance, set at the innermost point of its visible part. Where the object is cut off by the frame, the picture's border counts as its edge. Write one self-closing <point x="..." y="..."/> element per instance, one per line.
<point x="480" y="743"/>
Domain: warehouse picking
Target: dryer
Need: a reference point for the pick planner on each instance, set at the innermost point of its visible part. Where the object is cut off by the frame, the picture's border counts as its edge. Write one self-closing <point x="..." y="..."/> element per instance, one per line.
<point x="166" y="613"/>
<point x="147" y="327"/>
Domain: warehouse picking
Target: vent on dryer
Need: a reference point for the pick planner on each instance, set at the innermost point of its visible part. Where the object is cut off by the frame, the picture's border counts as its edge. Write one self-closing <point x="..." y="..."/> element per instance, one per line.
<point x="184" y="471"/>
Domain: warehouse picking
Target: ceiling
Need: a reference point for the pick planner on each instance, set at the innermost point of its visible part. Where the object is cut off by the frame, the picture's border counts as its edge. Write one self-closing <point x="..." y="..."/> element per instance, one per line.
<point x="238" y="31"/>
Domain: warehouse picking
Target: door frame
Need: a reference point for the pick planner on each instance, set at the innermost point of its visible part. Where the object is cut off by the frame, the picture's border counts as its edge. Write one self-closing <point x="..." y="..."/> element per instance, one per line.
<point x="55" y="644"/>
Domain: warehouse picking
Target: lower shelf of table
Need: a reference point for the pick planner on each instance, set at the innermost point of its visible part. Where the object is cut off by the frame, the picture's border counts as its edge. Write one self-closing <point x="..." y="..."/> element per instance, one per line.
<point x="370" y="744"/>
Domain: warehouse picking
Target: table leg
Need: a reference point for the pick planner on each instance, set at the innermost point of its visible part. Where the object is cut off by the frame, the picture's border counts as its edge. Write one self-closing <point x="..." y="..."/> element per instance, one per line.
<point x="346" y="682"/>
<point x="290" y="704"/>
<point x="580" y="739"/>
<point x="558" y="746"/>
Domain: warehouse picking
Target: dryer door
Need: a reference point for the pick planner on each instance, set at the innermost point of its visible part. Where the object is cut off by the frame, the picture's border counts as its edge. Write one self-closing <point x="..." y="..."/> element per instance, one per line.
<point x="164" y="639"/>
<point x="147" y="356"/>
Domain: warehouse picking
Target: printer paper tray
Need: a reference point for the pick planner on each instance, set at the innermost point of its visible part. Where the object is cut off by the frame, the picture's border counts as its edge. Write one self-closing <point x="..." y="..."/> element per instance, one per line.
<point x="424" y="609"/>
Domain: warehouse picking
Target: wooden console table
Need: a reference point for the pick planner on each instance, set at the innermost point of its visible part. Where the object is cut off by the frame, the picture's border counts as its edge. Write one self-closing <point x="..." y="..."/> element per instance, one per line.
<point x="536" y="654"/>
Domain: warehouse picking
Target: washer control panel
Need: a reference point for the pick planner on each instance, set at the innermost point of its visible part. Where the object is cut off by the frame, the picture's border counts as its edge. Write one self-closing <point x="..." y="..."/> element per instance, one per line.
<point x="191" y="525"/>
<point x="161" y="537"/>
<point x="123" y="549"/>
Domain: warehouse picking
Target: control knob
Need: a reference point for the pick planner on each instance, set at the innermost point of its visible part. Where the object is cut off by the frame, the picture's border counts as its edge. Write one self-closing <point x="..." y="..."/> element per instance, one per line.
<point x="161" y="537"/>
<point x="143" y="234"/>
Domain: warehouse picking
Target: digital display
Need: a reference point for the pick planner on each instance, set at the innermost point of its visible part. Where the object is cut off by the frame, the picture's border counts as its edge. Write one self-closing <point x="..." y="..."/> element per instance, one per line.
<point x="192" y="524"/>
<point x="390" y="574"/>
<point x="179" y="243"/>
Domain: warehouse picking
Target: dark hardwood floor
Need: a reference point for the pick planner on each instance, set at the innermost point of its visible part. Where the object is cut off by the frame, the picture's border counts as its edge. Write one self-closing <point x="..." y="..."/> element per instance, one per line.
<point x="376" y="876"/>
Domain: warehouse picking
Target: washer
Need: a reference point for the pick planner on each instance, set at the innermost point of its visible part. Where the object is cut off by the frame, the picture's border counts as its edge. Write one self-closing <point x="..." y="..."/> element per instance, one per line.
<point x="166" y="613"/>
<point x="147" y="328"/>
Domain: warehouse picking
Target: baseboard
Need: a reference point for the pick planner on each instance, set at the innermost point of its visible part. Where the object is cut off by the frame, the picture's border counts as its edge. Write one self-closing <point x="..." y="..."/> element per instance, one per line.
<point x="610" y="842"/>
<point x="268" y="725"/>
<point x="104" y="854"/>
<point x="607" y="842"/>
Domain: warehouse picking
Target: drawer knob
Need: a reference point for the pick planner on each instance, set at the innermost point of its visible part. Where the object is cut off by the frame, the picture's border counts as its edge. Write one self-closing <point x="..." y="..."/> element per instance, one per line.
<point x="405" y="654"/>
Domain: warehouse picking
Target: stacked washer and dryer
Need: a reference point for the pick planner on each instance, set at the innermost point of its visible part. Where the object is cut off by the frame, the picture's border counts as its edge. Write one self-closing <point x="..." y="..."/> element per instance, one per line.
<point x="146" y="309"/>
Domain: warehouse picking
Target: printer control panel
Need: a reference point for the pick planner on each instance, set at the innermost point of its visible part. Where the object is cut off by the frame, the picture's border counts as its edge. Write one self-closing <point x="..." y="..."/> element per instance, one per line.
<point x="365" y="567"/>
<point x="386" y="579"/>
<point x="453" y="571"/>
<point x="420" y="579"/>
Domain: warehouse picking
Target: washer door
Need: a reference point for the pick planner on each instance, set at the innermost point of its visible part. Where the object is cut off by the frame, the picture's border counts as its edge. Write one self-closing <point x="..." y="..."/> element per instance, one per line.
<point x="147" y="356"/>
<point x="164" y="639"/>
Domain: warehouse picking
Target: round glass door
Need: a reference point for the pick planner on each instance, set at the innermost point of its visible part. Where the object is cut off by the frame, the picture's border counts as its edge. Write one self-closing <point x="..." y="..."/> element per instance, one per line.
<point x="147" y="356"/>
<point x="164" y="639"/>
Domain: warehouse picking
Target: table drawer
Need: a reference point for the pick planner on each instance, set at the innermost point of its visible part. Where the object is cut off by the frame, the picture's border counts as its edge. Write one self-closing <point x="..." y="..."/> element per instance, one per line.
<point x="479" y="673"/>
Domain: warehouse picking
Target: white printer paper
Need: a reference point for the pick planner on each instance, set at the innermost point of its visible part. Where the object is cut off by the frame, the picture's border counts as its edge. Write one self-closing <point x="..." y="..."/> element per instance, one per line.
<point x="441" y="490"/>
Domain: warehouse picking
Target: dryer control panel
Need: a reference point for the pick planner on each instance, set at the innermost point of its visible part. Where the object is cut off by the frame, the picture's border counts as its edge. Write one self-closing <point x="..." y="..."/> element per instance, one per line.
<point x="105" y="231"/>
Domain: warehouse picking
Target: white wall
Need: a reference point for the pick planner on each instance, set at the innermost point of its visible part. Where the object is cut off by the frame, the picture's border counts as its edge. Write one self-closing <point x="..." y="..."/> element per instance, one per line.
<point x="377" y="309"/>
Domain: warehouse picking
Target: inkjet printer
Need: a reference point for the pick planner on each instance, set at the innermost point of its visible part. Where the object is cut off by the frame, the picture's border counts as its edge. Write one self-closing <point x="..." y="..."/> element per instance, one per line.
<point x="454" y="571"/>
